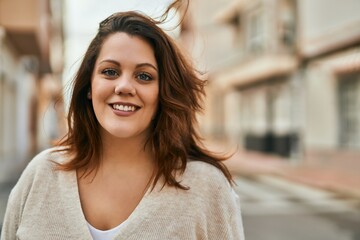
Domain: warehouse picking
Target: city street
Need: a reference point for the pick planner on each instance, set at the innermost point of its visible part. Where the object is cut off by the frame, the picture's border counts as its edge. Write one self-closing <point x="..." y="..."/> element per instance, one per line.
<point x="282" y="83"/>
<point x="276" y="209"/>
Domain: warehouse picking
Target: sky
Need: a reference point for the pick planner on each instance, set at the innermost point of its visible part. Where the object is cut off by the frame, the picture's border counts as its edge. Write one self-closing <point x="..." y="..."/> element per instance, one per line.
<point x="81" y="21"/>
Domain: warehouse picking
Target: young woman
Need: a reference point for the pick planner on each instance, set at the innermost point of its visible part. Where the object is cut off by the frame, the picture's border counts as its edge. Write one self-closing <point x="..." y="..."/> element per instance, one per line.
<point x="131" y="165"/>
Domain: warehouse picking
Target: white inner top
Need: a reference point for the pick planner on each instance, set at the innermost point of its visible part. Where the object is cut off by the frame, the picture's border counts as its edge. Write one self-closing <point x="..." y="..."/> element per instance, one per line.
<point x="104" y="234"/>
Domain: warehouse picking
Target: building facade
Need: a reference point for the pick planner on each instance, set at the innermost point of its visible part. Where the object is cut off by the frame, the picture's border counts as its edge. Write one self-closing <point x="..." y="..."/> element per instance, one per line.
<point x="30" y="78"/>
<point x="284" y="76"/>
<point x="329" y="46"/>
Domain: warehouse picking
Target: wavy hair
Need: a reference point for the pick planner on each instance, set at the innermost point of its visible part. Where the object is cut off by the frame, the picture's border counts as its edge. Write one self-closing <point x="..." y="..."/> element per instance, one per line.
<point x="173" y="137"/>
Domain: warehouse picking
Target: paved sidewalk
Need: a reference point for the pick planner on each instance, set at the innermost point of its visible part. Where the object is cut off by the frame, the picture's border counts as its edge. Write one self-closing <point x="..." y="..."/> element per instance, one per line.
<point x="252" y="163"/>
<point x="245" y="162"/>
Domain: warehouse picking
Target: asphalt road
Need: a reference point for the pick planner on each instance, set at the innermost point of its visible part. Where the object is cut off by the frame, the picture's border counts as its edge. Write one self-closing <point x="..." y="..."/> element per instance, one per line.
<point x="276" y="209"/>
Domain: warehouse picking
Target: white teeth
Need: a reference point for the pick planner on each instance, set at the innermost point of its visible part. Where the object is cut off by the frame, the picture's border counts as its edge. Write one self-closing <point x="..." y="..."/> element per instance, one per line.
<point x="124" y="108"/>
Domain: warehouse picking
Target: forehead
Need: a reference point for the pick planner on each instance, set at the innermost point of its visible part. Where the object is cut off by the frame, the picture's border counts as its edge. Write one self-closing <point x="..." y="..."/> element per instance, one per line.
<point x="126" y="48"/>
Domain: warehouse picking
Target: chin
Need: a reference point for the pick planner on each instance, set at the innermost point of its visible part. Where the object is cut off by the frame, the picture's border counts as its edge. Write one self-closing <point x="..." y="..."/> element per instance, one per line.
<point x="124" y="133"/>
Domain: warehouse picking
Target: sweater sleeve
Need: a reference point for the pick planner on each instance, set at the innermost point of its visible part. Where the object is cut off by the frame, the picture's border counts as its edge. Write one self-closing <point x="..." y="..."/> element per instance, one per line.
<point x="226" y="221"/>
<point x="236" y="224"/>
<point x="12" y="218"/>
<point x="220" y="209"/>
<point x="16" y="203"/>
<point x="17" y="198"/>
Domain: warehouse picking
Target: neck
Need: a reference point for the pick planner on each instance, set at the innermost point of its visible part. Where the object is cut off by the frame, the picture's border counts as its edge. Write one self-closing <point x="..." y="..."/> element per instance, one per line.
<point x="126" y="153"/>
<point x="124" y="159"/>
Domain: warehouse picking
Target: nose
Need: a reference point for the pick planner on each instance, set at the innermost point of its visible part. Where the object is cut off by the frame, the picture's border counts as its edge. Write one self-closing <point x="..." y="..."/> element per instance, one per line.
<point x="125" y="86"/>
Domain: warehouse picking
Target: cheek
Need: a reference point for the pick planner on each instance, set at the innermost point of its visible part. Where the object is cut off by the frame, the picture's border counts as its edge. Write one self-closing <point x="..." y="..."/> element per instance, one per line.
<point x="152" y="100"/>
<point x="100" y="91"/>
<point x="155" y="99"/>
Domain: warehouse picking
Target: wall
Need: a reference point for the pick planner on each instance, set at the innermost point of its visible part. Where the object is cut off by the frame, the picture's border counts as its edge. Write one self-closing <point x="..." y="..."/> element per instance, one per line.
<point x="322" y="30"/>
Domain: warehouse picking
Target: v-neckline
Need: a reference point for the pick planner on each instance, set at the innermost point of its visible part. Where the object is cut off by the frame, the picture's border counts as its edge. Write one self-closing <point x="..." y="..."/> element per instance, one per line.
<point x="132" y="217"/>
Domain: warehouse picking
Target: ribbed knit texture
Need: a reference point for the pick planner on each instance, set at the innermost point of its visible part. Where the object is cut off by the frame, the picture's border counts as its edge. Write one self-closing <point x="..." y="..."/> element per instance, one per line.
<point x="45" y="204"/>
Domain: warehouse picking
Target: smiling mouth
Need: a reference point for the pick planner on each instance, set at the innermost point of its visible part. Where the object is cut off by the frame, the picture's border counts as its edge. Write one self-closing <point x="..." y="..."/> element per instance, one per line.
<point x="125" y="108"/>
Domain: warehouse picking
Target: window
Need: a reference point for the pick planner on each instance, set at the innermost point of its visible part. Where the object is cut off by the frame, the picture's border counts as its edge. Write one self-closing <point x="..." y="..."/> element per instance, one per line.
<point x="287" y="23"/>
<point x="256" y="31"/>
<point x="2" y="93"/>
<point x="349" y="114"/>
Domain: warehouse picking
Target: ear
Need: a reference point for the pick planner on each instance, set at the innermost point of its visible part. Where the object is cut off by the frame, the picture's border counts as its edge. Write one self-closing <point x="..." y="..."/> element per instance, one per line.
<point x="89" y="94"/>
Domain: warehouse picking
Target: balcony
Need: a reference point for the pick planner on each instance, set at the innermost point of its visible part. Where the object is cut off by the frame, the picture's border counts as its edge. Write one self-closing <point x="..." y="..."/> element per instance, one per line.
<point x="26" y="24"/>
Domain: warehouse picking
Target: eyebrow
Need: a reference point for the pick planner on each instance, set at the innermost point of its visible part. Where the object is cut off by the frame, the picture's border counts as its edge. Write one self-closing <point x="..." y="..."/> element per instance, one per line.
<point x="137" y="65"/>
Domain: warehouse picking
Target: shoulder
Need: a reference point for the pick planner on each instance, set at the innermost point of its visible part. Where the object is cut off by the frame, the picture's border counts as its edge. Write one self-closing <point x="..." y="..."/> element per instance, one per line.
<point x="206" y="179"/>
<point x="204" y="173"/>
<point x="45" y="160"/>
<point x="39" y="170"/>
<point x="215" y="199"/>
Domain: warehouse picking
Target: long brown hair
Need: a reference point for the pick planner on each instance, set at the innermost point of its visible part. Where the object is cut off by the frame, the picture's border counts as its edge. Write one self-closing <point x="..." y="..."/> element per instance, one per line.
<point x="173" y="137"/>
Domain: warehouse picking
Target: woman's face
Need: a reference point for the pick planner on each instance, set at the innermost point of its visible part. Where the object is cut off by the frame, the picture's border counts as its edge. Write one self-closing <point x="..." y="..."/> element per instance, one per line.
<point x="125" y="86"/>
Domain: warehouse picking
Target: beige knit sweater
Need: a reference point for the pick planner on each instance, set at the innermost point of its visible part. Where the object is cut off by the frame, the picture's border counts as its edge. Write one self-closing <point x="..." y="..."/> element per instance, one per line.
<point x="45" y="205"/>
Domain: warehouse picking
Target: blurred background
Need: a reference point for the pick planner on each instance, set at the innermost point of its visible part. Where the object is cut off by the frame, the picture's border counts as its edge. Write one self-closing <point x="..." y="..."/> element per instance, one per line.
<point x="283" y="90"/>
